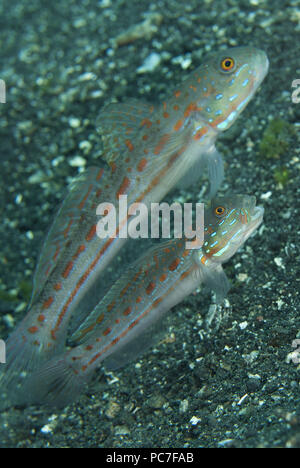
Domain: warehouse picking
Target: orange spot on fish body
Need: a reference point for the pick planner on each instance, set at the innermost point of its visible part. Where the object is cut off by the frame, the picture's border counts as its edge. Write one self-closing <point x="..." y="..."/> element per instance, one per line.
<point x="82" y="203"/>
<point x="125" y="289"/>
<point x="33" y="329"/>
<point x="67" y="270"/>
<point x="123" y="187"/>
<point x="157" y="301"/>
<point x="56" y="253"/>
<point x="142" y="164"/>
<point x="127" y="311"/>
<point x="113" y="167"/>
<point x="192" y="107"/>
<point x="48" y="303"/>
<point x="100" y="318"/>
<point x="57" y="286"/>
<point x="162" y="142"/>
<point x="79" y="251"/>
<point x="115" y="341"/>
<point x="110" y="306"/>
<point x="203" y="260"/>
<point x="177" y="93"/>
<point x="146" y="122"/>
<point x="129" y="145"/>
<point x="66" y="231"/>
<point x="178" y="125"/>
<point x="91" y="233"/>
<point x="163" y="277"/>
<point x="174" y="264"/>
<point x="133" y="324"/>
<point x="150" y="287"/>
<point x="200" y="133"/>
<point x="186" y="273"/>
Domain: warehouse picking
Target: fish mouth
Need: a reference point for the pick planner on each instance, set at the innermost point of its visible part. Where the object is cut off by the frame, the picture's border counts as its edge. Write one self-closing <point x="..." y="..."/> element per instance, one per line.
<point x="263" y="66"/>
<point x="257" y="214"/>
<point x="255" y="219"/>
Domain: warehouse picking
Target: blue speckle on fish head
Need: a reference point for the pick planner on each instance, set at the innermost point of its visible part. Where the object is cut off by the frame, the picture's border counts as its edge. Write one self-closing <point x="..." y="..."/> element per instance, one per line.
<point x="228" y="82"/>
<point x="229" y="221"/>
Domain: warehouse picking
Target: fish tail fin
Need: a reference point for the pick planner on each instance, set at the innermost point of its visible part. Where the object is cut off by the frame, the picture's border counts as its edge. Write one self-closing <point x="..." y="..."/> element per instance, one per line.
<point x="56" y="384"/>
<point x="25" y="353"/>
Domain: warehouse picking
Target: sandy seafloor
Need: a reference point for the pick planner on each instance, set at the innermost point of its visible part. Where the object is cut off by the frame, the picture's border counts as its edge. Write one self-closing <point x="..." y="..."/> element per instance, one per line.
<point x="228" y="385"/>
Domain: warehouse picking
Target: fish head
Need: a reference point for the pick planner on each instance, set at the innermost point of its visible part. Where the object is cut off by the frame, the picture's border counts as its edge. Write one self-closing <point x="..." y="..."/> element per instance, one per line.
<point x="229" y="221"/>
<point x="228" y="81"/>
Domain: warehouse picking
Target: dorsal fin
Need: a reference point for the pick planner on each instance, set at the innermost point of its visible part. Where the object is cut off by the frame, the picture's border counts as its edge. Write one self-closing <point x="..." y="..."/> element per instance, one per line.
<point x="119" y="123"/>
<point x="78" y="200"/>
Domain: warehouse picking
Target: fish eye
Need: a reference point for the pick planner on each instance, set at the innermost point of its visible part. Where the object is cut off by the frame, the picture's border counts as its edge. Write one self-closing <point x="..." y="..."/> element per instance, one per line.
<point x="227" y="64"/>
<point x="219" y="210"/>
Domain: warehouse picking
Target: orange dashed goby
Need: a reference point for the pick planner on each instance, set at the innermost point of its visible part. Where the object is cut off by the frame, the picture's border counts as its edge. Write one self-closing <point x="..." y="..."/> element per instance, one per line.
<point x="149" y="150"/>
<point x="125" y="322"/>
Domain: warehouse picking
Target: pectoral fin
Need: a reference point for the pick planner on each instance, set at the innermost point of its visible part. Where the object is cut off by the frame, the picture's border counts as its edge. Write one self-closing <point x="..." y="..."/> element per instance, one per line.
<point x="215" y="167"/>
<point x="193" y="175"/>
<point x="216" y="279"/>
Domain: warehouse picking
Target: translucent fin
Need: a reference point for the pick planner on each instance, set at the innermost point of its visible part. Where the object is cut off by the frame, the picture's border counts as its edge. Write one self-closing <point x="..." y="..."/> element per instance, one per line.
<point x="145" y="269"/>
<point x="119" y="122"/>
<point x="215" y="170"/>
<point x="215" y="279"/>
<point x="137" y="346"/>
<point x="65" y="222"/>
<point x="193" y="175"/>
<point x="175" y="144"/>
<point x="23" y="357"/>
<point x="55" y="384"/>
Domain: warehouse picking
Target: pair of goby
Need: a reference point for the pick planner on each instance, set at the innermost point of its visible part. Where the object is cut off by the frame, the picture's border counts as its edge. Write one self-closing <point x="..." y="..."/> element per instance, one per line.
<point x="148" y="150"/>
